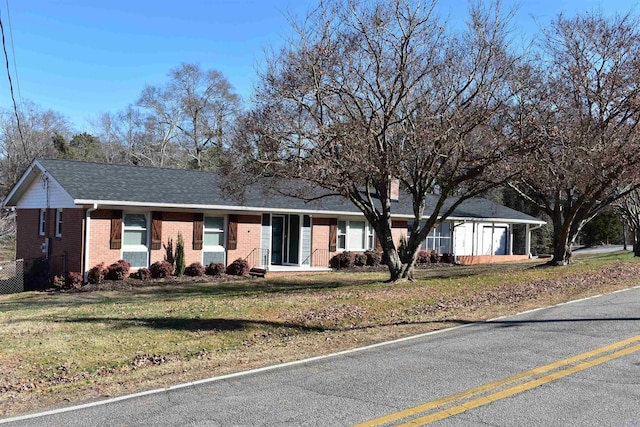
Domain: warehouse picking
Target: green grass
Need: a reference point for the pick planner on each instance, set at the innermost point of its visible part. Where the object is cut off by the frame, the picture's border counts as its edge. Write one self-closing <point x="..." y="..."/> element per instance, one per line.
<point x="85" y="345"/>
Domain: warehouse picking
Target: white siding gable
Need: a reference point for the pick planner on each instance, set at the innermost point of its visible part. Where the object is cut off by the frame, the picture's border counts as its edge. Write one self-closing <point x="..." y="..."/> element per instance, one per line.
<point x="36" y="196"/>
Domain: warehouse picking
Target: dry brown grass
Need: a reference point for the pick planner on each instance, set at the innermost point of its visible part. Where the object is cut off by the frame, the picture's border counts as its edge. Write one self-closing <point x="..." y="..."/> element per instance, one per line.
<point x="7" y="249"/>
<point x="69" y="347"/>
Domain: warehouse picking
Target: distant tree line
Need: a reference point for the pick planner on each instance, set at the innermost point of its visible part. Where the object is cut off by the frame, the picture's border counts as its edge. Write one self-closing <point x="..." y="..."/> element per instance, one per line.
<point x="185" y="123"/>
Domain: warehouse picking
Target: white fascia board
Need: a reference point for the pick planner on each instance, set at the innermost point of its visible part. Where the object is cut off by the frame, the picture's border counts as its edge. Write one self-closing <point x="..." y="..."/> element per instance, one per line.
<point x="106" y="203"/>
<point x="472" y="219"/>
<point x="509" y="221"/>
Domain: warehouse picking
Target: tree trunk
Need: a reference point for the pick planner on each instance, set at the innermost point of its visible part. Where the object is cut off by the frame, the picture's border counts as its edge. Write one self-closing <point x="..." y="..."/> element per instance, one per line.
<point x="400" y="264"/>
<point x="636" y="243"/>
<point x="561" y="245"/>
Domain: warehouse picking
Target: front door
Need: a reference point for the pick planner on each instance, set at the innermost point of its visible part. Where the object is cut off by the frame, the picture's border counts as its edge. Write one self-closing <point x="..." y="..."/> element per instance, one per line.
<point x="285" y="239"/>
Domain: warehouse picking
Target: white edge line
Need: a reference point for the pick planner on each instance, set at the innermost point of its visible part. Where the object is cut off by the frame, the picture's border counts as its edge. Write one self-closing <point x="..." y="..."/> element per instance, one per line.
<point x="285" y="365"/>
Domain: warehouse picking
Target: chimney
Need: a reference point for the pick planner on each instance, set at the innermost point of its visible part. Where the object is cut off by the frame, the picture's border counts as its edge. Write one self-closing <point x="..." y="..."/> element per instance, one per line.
<point x="394" y="190"/>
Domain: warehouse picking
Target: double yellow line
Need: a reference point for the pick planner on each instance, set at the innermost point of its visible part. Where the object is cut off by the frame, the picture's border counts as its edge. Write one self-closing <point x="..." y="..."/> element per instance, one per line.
<point x="464" y="401"/>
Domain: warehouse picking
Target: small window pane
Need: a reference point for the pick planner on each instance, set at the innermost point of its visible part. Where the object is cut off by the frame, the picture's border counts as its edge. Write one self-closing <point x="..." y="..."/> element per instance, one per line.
<point x="209" y="257"/>
<point x="342" y="227"/>
<point x="446" y="229"/>
<point x="213" y="222"/>
<point x="430" y="243"/>
<point x="212" y="239"/>
<point x="135" y="237"/>
<point x="341" y="242"/>
<point x="136" y="259"/>
<point x="135" y="220"/>
<point x="59" y="223"/>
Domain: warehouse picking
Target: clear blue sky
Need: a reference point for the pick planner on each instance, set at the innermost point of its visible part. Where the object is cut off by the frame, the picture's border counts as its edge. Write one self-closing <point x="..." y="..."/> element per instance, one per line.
<point x="84" y="57"/>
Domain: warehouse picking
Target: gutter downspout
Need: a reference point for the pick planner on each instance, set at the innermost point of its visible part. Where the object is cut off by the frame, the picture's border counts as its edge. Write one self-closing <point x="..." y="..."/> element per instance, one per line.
<point x="87" y="234"/>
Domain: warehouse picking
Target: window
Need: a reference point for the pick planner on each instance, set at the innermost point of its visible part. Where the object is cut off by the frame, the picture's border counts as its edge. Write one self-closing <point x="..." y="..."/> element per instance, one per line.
<point x="342" y="235"/>
<point x="59" y="223"/>
<point x="43" y="222"/>
<point x="371" y="238"/>
<point x="134" y="240"/>
<point x="213" y="240"/>
<point x="355" y="236"/>
<point x="439" y="238"/>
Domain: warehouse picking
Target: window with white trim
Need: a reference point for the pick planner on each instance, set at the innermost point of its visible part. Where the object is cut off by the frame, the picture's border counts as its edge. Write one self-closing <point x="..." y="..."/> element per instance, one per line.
<point x="355" y="236"/>
<point x="58" y="222"/>
<point x="213" y="240"/>
<point x="341" y="239"/>
<point x="42" y="224"/>
<point x="439" y="238"/>
<point x="135" y="249"/>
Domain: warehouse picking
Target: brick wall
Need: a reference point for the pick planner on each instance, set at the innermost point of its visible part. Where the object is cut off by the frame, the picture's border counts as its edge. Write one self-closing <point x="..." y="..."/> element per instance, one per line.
<point x="99" y="246"/>
<point x="320" y="241"/>
<point x="172" y="224"/>
<point x="249" y="228"/>
<point x="28" y="241"/>
<point x="65" y="252"/>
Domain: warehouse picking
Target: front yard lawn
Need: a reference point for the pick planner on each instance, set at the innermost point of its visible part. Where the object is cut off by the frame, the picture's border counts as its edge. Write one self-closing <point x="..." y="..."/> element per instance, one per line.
<point x="57" y="348"/>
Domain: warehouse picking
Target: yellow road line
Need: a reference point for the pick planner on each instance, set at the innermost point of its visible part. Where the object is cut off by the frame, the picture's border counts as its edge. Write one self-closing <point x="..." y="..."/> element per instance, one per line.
<point x="496" y="384"/>
<point x="485" y="400"/>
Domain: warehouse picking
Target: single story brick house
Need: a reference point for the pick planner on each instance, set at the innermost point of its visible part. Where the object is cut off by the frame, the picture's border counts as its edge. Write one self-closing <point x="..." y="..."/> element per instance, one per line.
<point x="79" y="214"/>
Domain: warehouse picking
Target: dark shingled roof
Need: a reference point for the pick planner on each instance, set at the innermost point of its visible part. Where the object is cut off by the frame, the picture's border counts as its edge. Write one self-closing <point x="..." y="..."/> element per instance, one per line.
<point x="98" y="182"/>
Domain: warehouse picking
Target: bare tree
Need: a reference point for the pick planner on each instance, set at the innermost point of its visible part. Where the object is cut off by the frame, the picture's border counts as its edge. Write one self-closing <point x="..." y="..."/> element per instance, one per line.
<point x="195" y="110"/>
<point x="577" y="112"/>
<point x="18" y="147"/>
<point x="369" y="92"/>
<point x="163" y="114"/>
<point x="628" y="207"/>
<point x="130" y="137"/>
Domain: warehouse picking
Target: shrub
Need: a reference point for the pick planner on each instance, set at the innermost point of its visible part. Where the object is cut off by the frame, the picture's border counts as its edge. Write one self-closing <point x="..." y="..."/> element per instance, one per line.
<point x="423" y="257"/>
<point x="142" y="274"/>
<point x="434" y="258"/>
<point x="168" y="248"/>
<point x="74" y="280"/>
<point x="96" y="274"/>
<point x="447" y="258"/>
<point x="359" y="260"/>
<point x="195" y="269"/>
<point x="58" y="282"/>
<point x="118" y="270"/>
<point x="342" y="260"/>
<point x="215" y="269"/>
<point x="373" y="257"/>
<point x="180" y="265"/>
<point x="239" y="267"/>
<point x="160" y="269"/>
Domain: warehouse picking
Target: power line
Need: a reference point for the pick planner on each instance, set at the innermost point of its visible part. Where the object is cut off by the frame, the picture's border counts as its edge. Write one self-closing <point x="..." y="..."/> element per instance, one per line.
<point x="13" y="53"/>
<point x="13" y="98"/>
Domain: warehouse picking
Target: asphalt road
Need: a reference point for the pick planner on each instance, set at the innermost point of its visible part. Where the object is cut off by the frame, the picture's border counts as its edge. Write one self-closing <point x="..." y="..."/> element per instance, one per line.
<point x="575" y="364"/>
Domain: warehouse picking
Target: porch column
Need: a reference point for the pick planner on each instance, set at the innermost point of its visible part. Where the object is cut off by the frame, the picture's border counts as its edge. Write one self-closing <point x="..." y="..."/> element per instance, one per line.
<point x="510" y="239"/>
<point x="527" y="239"/>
